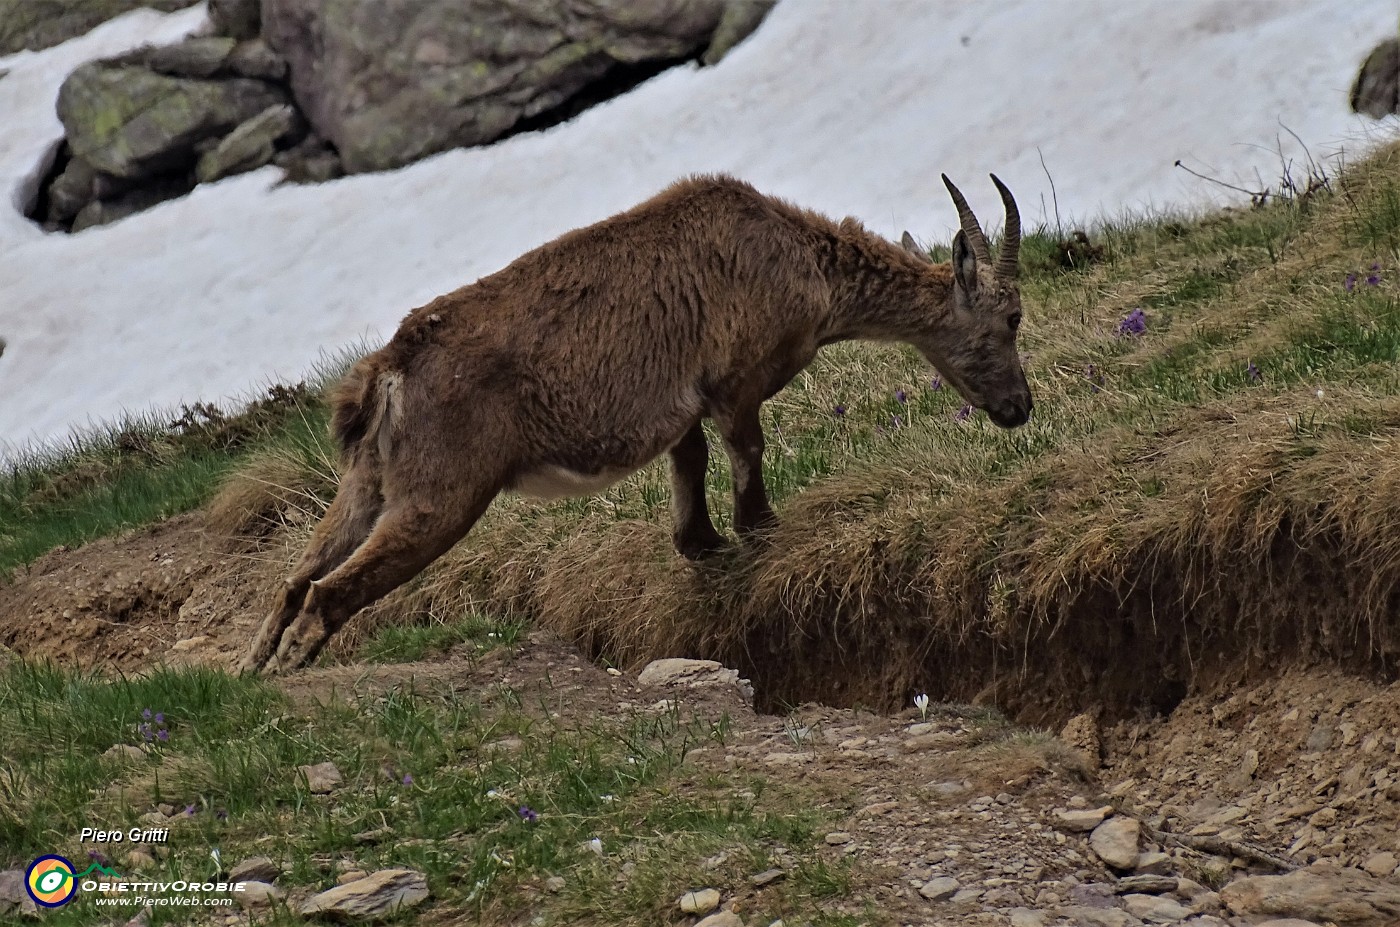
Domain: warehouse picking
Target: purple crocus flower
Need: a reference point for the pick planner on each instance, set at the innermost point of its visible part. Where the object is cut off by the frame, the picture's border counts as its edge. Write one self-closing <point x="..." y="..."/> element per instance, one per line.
<point x="189" y="810"/>
<point x="162" y="735"/>
<point x="1091" y="373"/>
<point x="527" y="815"/>
<point x="839" y="411"/>
<point x="146" y="714"/>
<point x="937" y="383"/>
<point x="160" y="717"/>
<point x="900" y="396"/>
<point x="1254" y="372"/>
<point x="221" y="814"/>
<point x="1373" y="280"/>
<point x="1349" y="283"/>
<point x="962" y="414"/>
<point x="1134" y="323"/>
<point x="407" y="778"/>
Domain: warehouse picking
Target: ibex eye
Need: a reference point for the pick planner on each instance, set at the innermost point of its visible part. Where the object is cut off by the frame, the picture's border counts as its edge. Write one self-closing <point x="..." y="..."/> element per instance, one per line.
<point x="1014" y="321"/>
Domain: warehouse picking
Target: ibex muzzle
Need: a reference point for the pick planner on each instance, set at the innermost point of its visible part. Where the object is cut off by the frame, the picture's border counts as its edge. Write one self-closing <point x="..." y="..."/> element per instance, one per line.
<point x="592" y="355"/>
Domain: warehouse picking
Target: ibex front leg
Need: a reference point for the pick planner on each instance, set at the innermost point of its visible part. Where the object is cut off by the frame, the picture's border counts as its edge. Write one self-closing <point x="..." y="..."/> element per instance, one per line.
<point x="743" y="439"/>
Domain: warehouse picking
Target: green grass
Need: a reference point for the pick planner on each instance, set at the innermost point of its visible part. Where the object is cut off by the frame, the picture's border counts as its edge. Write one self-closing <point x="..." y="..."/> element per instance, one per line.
<point x="446" y="774"/>
<point x="404" y="644"/>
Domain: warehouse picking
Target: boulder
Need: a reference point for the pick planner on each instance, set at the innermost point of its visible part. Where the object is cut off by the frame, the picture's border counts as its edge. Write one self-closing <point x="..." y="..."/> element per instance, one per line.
<point x="739" y="19"/>
<point x="131" y="122"/>
<point x="197" y="57"/>
<point x="256" y="59"/>
<point x="1376" y="91"/>
<point x="249" y="146"/>
<point x="71" y="190"/>
<point x="393" y="81"/>
<point x="36" y="24"/>
<point x="238" y="19"/>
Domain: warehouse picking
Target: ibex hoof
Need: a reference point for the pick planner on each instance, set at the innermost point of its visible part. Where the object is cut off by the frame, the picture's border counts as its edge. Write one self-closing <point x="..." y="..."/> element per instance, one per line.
<point x="700" y="548"/>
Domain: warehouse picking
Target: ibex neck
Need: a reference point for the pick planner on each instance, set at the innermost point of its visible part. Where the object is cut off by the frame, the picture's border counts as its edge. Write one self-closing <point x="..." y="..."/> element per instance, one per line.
<point x="879" y="291"/>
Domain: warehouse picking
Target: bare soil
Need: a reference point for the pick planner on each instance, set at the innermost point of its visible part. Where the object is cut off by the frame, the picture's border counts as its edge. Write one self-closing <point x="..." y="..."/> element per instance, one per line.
<point x="1302" y="763"/>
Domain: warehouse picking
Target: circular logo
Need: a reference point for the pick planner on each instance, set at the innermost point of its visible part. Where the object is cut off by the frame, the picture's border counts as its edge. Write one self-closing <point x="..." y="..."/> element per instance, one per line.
<point x="50" y="881"/>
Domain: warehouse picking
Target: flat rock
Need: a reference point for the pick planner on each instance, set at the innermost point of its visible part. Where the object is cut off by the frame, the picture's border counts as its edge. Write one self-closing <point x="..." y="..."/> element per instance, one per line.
<point x="940" y="889"/>
<point x="1083" y="916"/>
<point x="1154" y="909"/>
<point x="248" y="147"/>
<point x="1347" y="897"/>
<point x="126" y="753"/>
<point x="13" y="897"/>
<point x="1146" y="885"/>
<point x="722" y="919"/>
<point x="1115" y="841"/>
<point x="377" y="895"/>
<point x="1380" y="865"/>
<point x="255" y="869"/>
<point x="1154" y="863"/>
<point x="196" y="57"/>
<point x="1082" y="821"/>
<point x="767" y="877"/>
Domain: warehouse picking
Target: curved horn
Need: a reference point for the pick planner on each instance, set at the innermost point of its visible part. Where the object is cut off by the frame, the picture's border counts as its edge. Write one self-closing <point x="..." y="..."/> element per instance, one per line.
<point x="1007" y="265"/>
<point x="970" y="228"/>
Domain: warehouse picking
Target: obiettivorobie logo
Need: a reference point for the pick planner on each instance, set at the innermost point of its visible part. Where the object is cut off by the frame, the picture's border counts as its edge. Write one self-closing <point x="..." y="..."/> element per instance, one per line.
<point x="52" y="882"/>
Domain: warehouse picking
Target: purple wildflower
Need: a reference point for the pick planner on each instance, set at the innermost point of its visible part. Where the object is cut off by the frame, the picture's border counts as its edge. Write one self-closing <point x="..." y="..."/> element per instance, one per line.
<point x="1376" y="265"/>
<point x="962" y="414"/>
<point x="937" y="383"/>
<point x="1134" y="323"/>
<point x="145" y="731"/>
<point x="146" y="715"/>
<point x="527" y="815"/>
<point x="1373" y="280"/>
<point x="1254" y="373"/>
<point x="189" y="810"/>
<point x="839" y="411"/>
<point x="162" y="735"/>
<point x="97" y="857"/>
<point x="221" y="814"/>
<point x="1349" y="283"/>
<point x="900" y="396"/>
<point x="160" y="717"/>
<point x="1095" y="378"/>
<point x="407" y="779"/>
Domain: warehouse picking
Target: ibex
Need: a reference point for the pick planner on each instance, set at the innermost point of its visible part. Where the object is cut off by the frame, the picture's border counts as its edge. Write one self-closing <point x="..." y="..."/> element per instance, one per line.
<point x="587" y="358"/>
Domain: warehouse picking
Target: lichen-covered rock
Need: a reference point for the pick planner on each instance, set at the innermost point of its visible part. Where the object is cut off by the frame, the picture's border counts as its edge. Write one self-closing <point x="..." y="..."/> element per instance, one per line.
<point x="36" y="24"/>
<point x="197" y="57"/>
<point x="71" y="190"/>
<point x="740" y="18"/>
<point x="255" y="58"/>
<point x="380" y="894"/>
<point x="249" y="146"/>
<point x="129" y="121"/>
<point x="392" y="81"/>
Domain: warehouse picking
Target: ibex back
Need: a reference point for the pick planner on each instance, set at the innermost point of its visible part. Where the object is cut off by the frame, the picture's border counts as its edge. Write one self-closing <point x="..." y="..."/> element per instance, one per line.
<point x="592" y="355"/>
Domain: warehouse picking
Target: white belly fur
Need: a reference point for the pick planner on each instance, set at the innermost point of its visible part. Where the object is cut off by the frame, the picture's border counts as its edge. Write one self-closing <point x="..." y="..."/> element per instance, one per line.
<point x="554" y="482"/>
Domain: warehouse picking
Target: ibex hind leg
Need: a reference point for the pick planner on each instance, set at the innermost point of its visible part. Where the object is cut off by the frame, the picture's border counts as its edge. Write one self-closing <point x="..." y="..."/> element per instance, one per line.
<point x="344" y="527"/>
<point x="406" y="539"/>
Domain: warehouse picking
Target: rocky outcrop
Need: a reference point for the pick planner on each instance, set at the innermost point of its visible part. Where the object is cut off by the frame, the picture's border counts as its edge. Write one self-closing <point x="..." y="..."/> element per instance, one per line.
<point x="324" y="87"/>
<point x="36" y="24"/>
<point x="390" y="82"/>
<point x="1376" y="91"/>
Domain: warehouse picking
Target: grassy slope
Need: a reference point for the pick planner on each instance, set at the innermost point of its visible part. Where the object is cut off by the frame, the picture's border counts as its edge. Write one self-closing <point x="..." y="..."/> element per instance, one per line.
<point x="1180" y="493"/>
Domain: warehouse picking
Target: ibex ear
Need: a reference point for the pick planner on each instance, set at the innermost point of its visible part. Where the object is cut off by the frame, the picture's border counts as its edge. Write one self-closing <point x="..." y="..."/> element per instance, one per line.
<point x="913" y="248"/>
<point x="964" y="264"/>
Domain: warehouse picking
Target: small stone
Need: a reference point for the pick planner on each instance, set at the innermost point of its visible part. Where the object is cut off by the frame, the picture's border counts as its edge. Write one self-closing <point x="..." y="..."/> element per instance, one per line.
<point x="838" y="838"/>
<point x="1115" y="841"/>
<point x="1324" y="818"/>
<point x="1083" y="916"/>
<point x="1287" y="922"/>
<point x="1081" y="822"/>
<point x="189" y="643"/>
<point x="1154" y="909"/>
<point x="701" y="902"/>
<point x="940" y="889"/>
<point x="124" y="753"/>
<point x="722" y="919"/>
<point x="767" y="877"/>
<point x="1154" y="863"/>
<point x="554" y="884"/>
<point x="138" y="860"/>
<point x="256" y="894"/>
<point x="321" y="778"/>
<point x="938" y="740"/>
<point x="1380" y="865"/>
<point x="1146" y="885"/>
<point x="375" y="896"/>
<point x="966" y="895"/>
<point x="255" y="869"/>
<point x="1025" y="917"/>
<point x="614" y="671"/>
<point x="350" y="875"/>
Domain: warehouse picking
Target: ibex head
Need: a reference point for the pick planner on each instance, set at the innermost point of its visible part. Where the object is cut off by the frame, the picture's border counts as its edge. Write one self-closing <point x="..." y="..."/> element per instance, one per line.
<point x="977" y="353"/>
